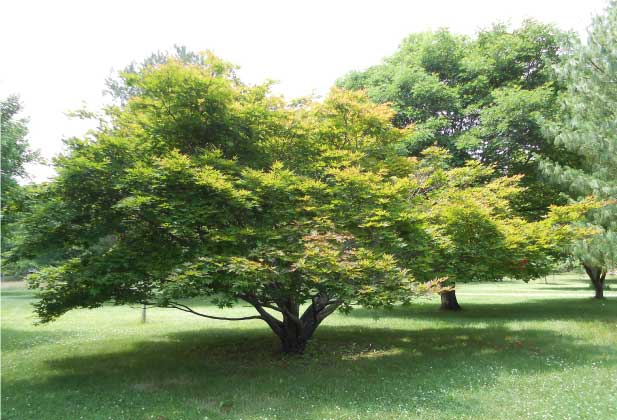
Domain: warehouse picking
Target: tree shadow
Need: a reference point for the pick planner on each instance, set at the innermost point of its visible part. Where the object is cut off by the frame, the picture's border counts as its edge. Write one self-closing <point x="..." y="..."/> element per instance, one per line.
<point x="343" y="367"/>
<point x="586" y="288"/>
<point x="608" y="285"/>
<point x="529" y="310"/>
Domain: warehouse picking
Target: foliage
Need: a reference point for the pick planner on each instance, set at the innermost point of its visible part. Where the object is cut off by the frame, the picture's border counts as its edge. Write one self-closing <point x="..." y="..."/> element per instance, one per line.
<point x="200" y="186"/>
<point x="588" y="128"/>
<point x="181" y="194"/>
<point x="468" y="216"/>
<point x="15" y="154"/>
<point x="480" y="98"/>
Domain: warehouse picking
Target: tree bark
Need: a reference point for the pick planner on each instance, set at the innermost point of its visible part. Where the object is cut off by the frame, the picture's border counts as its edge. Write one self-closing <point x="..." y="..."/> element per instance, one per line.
<point x="597" y="276"/>
<point x="294" y="330"/>
<point x="293" y="337"/>
<point x="448" y="300"/>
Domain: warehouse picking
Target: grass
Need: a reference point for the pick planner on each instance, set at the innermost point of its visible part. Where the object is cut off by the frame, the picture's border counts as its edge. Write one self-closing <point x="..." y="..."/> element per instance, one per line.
<point x="517" y="351"/>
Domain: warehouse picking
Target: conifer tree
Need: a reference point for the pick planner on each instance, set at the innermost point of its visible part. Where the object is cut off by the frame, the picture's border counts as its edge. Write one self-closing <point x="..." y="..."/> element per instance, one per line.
<point x="588" y="127"/>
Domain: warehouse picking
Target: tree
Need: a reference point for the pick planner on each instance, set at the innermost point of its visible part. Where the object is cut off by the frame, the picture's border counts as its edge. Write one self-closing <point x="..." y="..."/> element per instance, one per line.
<point x="588" y="128"/>
<point x="121" y="91"/>
<point x="480" y="98"/>
<point x="469" y="212"/>
<point x="181" y="195"/>
<point x="15" y="154"/>
<point x="201" y="186"/>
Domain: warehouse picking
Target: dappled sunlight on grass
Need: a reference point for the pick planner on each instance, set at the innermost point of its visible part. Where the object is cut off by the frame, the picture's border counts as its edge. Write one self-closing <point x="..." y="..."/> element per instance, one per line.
<point x="537" y="358"/>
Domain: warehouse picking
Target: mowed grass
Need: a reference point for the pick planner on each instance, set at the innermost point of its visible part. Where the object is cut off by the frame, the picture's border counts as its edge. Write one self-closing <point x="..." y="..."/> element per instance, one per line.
<point x="517" y="351"/>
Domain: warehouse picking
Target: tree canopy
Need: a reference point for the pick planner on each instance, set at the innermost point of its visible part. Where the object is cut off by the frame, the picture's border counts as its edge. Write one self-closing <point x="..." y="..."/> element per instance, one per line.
<point x="16" y="151"/>
<point x="480" y="98"/>
<point x="588" y="128"/>
<point x="197" y="185"/>
<point x="15" y="154"/>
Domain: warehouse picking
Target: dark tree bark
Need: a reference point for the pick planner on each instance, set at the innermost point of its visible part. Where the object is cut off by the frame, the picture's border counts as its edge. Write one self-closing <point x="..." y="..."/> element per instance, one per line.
<point x="597" y="276"/>
<point x="294" y="330"/>
<point x="293" y="339"/>
<point x="448" y="300"/>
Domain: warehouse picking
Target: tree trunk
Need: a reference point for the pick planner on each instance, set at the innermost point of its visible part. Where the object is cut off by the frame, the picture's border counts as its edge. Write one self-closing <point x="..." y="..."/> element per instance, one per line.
<point x="294" y="330"/>
<point x="597" y="276"/>
<point x="293" y="344"/>
<point x="293" y="338"/>
<point x="448" y="300"/>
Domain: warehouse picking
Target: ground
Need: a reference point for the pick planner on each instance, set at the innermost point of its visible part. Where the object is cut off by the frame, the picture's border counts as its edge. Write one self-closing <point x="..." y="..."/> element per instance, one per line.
<point x="517" y="351"/>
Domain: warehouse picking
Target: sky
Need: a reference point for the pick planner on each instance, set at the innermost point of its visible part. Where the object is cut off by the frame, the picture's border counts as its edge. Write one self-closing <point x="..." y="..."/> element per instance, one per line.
<point x="57" y="54"/>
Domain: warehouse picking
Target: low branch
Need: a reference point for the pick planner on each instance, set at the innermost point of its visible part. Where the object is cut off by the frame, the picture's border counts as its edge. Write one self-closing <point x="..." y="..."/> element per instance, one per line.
<point x="601" y="70"/>
<point x="185" y="308"/>
<point x="273" y="323"/>
<point x="253" y="299"/>
<point x="293" y="317"/>
<point x="326" y="311"/>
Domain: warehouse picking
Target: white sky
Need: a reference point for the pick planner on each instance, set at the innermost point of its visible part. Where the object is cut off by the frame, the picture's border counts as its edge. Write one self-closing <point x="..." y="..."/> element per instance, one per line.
<point x="57" y="54"/>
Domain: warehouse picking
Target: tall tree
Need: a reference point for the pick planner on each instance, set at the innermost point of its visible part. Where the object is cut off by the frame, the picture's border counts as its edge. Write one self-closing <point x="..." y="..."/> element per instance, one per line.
<point x="588" y="128"/>
<point x="15" y="154"/>
<point x="16" y="151"/>
<point x="480" y="98"/>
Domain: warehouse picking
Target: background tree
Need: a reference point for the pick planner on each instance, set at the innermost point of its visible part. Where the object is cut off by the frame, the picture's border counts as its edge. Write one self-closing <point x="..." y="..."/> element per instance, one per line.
<point x="15" y="154"/>
<point x="480" y="98"/>
<point x="468" y="215"/>
<point x="588" y="128"/>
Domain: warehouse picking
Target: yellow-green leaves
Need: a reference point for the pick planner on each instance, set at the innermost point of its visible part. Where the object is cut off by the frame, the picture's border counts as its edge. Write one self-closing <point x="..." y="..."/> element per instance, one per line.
<point x="203" y="186"/>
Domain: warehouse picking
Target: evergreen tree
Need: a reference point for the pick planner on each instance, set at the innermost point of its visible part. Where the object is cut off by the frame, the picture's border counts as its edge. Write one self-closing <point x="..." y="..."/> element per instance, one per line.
<point x="588" y="128"/>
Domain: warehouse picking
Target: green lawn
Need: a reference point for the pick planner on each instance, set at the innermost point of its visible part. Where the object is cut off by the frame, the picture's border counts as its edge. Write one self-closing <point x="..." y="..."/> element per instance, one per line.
<point x="517" y="351"/>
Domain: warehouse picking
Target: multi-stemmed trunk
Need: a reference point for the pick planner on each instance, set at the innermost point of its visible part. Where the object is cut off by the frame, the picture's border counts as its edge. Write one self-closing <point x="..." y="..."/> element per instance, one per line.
<point x="448" y="300"/>
<point x="295" y="330"/>
<point x="597" y="276"/>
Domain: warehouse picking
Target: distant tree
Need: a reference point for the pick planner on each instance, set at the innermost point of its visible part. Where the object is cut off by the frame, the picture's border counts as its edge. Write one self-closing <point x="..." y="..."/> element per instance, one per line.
<point x="588" y="128"/>
<point x="480" y="98"/>
<point x="15" y="155"/>
<point x="201" y="186"/>
<point x="16" y="151"/>
<point x="121" y="91"/>
<point x="476" y="235"/>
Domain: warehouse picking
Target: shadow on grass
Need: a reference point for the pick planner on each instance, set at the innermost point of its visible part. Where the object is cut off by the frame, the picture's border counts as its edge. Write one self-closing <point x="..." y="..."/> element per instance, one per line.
<point x="587" y="288"/>
<point x="351" y="367"/>
<point x="240" y="373"/>
<point x="530" y="310"/>
<point x="558" y="288"/>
